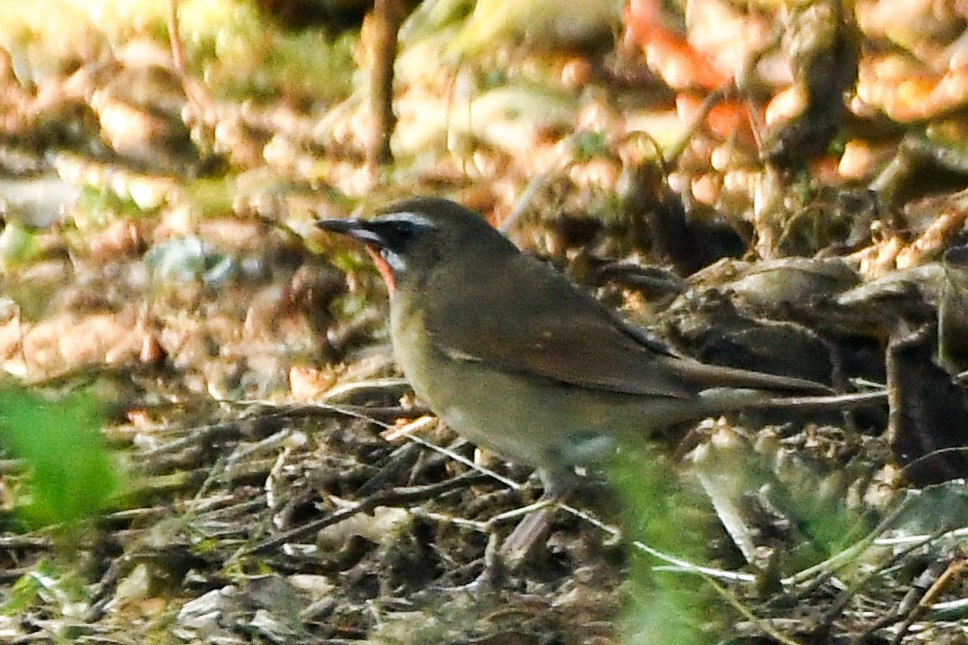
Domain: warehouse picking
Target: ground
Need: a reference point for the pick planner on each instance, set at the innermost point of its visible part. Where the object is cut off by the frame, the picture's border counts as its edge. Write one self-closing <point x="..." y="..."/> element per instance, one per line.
<point x="260" y="472"/>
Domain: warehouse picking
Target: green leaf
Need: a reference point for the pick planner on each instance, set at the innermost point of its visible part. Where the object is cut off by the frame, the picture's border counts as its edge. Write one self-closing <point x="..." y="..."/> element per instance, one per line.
<point x="17" y="245"/>
<point x="71" y="473"/>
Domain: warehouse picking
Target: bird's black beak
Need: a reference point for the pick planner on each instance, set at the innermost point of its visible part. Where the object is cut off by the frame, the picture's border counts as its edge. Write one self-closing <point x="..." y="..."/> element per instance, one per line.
<point x="358" y="229"/>
<point x="376" y="244"/>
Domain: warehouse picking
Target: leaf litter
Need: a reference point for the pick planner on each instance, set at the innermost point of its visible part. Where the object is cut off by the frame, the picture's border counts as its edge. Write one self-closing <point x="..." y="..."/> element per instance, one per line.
<point x="158" y="252"/>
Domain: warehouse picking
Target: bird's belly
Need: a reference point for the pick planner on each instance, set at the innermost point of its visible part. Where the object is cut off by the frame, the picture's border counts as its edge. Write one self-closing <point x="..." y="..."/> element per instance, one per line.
<point x="522" y="420"/>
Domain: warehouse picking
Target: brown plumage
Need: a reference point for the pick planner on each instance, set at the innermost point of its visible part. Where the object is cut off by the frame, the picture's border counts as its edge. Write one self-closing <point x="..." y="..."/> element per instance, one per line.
<point x="515" y="357"/>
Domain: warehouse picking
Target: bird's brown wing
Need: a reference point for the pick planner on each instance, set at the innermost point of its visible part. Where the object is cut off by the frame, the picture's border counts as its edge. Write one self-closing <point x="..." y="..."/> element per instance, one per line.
<point x="530" y="319"/>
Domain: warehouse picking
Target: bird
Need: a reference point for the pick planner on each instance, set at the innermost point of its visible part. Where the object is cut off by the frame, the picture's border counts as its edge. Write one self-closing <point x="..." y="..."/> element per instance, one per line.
<point x="516" y="358"/>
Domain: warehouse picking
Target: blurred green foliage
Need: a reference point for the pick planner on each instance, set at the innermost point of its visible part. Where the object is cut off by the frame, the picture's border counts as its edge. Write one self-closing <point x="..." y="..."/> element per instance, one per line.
<point x="47" y="583"/>
<point x="662" y="512"/>
<point x="71" y="474"/>
<point x="18" y="244"/>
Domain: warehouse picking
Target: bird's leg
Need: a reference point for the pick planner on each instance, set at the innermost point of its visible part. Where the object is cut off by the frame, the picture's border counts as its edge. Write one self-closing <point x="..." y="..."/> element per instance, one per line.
<point x="533" y="529"/>
<point x="529" y="532"/>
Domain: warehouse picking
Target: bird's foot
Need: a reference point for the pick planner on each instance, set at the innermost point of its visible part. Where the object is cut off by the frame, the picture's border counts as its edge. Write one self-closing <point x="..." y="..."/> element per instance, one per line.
<point x="490" y="580"/>
<point x="501" y="558"/>
<point x="532" y="532"/>
<point x="529" y="535"/>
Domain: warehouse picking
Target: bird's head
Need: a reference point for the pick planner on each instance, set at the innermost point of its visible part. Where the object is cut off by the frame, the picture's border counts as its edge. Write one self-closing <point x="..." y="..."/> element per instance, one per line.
<point x="412" y="239"/>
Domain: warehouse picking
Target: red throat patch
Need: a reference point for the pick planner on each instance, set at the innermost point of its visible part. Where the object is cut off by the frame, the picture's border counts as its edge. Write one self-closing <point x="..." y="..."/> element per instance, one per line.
<point x="385" y="271"/>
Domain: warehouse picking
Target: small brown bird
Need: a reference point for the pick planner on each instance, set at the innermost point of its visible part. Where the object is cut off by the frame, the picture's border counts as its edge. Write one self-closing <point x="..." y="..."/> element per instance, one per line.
<point x="513" y="356"/>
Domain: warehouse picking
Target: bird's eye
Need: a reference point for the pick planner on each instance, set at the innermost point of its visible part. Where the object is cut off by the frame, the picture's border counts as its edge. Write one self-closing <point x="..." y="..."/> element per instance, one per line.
<point x="398" y="235"/>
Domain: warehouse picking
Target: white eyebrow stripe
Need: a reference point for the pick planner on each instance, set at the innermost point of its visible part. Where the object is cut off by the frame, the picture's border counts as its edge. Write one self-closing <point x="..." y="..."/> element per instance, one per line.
<point x="409" y="217"/>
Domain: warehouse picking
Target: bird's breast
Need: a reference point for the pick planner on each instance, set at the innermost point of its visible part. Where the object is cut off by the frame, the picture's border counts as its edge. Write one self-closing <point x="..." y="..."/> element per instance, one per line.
<point x="411" y="346"/>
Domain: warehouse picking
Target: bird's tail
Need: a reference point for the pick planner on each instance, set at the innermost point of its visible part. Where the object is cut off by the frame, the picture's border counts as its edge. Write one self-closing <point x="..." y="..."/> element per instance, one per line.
<point x="727" y="399"/>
